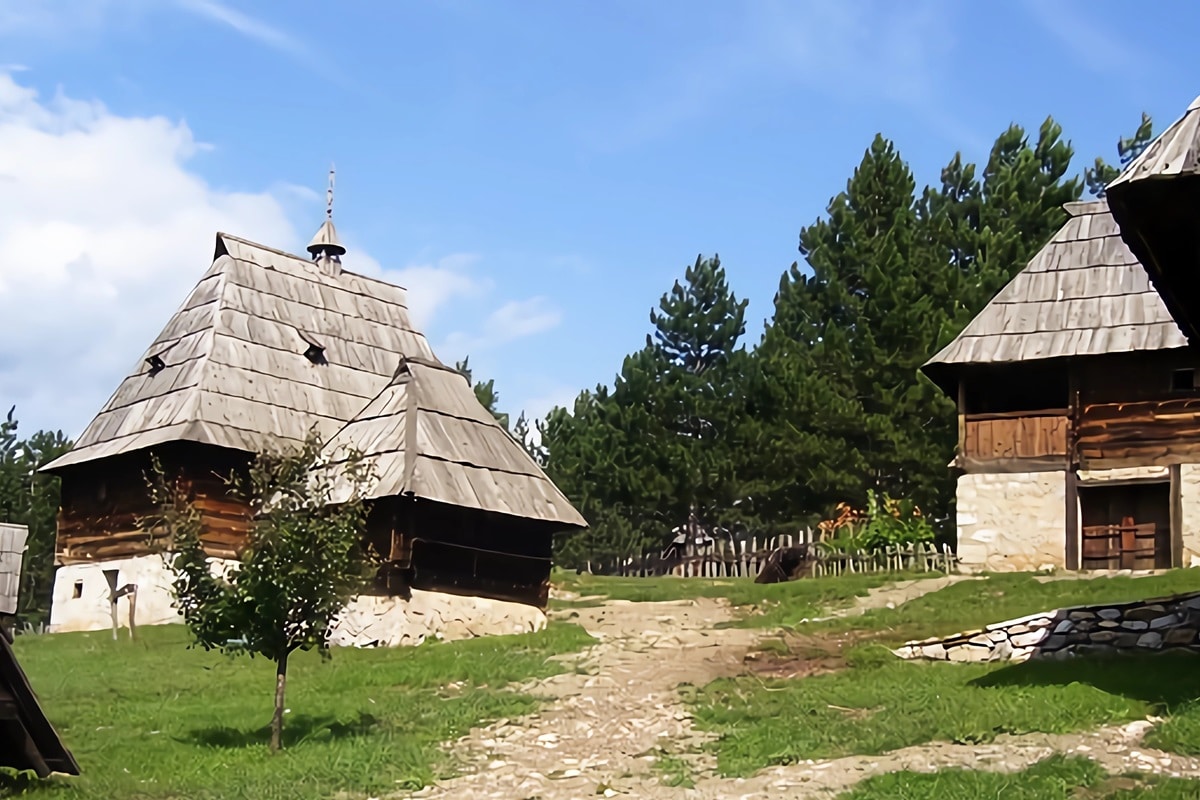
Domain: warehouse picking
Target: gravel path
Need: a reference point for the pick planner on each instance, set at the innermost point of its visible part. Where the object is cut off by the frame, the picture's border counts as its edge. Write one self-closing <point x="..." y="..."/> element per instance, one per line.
<point x="607" y="723"/>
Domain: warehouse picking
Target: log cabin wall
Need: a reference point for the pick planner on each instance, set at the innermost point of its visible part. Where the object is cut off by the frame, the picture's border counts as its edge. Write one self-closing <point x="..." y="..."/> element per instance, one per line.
<point x="103" y="501"/>
<point x="1139" y="410"/>
<point x="438" y="547"/>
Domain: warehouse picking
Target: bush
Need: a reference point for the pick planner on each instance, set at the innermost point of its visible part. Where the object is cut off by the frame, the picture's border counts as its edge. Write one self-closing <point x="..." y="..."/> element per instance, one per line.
<point x="886" y="522"/>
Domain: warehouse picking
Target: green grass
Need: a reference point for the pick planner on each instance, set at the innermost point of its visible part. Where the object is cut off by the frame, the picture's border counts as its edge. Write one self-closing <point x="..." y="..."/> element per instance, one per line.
<point x="153" y="719"/>
<point x="883" y="704"/>
<point x="973" y="604"/>
<point x="673" y="770"/>
<point x="764" y="605"/>
<point x="1056" y="778"/>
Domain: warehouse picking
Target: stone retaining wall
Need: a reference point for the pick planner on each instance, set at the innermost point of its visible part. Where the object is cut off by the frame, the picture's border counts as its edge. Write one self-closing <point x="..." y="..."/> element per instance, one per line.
<point x="1143" y="626"/>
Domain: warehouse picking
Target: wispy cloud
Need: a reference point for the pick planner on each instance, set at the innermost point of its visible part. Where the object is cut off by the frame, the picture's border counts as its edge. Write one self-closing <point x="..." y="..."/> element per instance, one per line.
<point x="883" y="52"/>
<point x="515" y="319"/>
<point x="434" y="284"/>
<point x="246" y="25"/>
<point x="1093" y="46"/>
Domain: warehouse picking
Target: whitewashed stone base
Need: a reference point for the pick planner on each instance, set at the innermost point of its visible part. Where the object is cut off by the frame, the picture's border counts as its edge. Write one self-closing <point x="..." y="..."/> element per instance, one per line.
<point x="1012" y="522"/>
<point x="368" y="621"/>
<point x="390" y="621"/>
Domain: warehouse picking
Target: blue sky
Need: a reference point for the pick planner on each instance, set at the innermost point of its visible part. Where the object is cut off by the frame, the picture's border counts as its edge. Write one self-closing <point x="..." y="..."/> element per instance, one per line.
<point x="537" y="174"/>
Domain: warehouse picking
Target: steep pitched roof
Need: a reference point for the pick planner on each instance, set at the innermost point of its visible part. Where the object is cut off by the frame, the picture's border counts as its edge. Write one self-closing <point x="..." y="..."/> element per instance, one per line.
<point x="230" y="369"/>
<point x="427" y="436"/>
<point x="1083" y="294"/>
<point x="1174" y="152"/>
<point x="1155" y="200"/>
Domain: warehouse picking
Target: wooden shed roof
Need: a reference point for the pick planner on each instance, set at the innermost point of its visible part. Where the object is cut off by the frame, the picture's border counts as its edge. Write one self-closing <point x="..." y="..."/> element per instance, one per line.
<point x="269" y="345"/>
<point x="426" y="435"/>
<point x="1083" y="294"/>
<point x="27" y="739"/>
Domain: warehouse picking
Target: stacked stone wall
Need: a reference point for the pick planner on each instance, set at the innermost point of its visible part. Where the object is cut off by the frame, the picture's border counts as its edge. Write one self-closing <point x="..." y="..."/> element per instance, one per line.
<point x="1143" y="626"/>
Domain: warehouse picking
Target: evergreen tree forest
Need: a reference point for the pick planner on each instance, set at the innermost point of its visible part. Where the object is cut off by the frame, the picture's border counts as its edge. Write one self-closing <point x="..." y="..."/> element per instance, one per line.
<point x="828" y="406"/>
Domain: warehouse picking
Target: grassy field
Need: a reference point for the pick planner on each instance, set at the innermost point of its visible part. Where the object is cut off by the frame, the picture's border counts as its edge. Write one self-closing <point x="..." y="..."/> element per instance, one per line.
<point x="879" y="702"/>
<point x="153" y="719"/>
<point x="762" y="605"/>
<point x="1056" y="778"/>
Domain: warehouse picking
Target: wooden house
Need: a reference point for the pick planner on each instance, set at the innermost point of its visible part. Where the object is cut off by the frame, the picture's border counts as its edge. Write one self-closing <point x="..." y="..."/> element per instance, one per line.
<point x="266" y="347"/>
<point x="1078" y="414"/>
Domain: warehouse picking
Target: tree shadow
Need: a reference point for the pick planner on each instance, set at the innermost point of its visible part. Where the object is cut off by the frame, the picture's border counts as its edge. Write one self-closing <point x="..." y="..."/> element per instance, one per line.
<point x="1164" y="680"/>
<point x="297" y="729"/>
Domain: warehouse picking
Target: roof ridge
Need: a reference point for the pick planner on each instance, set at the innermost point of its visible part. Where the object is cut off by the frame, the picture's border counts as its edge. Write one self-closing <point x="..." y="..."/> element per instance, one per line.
<point x="307" y="262"/>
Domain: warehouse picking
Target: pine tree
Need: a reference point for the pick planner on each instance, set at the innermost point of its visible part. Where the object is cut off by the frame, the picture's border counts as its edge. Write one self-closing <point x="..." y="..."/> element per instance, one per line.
<point x="843" y="348"/>
<point x="1101" y="174"/>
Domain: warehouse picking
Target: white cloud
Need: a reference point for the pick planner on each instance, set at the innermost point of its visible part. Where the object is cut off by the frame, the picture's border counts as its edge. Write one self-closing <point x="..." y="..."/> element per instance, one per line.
<point x="246" y="25"/>
<point x="103" y="230"/>
<point x="515" y="319"/>
<point x="432" y="285"/>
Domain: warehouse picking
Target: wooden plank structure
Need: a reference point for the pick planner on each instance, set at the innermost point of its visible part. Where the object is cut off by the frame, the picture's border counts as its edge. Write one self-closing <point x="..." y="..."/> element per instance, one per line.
<point x="12" y="551"/>
<point x="27" y="739"/>
<point x="269" y="346"/>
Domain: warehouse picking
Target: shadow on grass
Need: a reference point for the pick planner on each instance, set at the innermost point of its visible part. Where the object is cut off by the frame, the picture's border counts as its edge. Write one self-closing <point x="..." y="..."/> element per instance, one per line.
<point x="1164" y="680"/>
<point x="295" y="730"/>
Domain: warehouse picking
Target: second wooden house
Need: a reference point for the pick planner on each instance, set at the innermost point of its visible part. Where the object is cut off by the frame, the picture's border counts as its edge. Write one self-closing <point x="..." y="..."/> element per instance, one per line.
<point x="1079" y="414"/>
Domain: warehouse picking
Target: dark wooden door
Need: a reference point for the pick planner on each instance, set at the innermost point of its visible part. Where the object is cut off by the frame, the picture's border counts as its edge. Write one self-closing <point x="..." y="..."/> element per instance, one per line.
<point x="1126" y="527"/>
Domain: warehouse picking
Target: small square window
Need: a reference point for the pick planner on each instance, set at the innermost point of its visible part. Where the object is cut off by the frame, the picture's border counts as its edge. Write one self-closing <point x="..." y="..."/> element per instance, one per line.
<point x="1183" y="380"/>
<point x="77" y="590"/>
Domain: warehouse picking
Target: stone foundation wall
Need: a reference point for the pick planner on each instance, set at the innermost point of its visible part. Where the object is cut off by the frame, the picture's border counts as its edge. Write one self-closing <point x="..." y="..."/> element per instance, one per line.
<point x="368" y="621"/>
<point x="1144" y="626"/>
<point x="391" y="621"/>
<point x="1012" y="522"/>
<point x="1189" y="496"/>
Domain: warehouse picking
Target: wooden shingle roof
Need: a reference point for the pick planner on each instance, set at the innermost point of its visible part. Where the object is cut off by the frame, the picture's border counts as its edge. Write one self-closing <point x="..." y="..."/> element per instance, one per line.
<point x="269" y="345"/>
<point x="426" y="435"/>
<point x="1083" y="294"/>
<point x="229" y="369"/>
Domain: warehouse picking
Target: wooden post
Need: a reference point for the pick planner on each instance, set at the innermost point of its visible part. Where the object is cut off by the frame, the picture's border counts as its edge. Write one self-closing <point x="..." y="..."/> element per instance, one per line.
<point x="133" y="612"/>
<point x="960" y="449"/>
<point x="1176" y="516"/>
<point x="1071" y="548"/>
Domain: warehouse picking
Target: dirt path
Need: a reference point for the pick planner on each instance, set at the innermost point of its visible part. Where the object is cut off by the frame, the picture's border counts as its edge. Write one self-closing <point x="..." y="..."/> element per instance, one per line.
<point x="611" y="718"/>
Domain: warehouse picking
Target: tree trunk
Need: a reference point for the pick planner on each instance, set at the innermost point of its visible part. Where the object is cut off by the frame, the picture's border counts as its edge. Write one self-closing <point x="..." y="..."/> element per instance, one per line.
<point x="280" y="687"/>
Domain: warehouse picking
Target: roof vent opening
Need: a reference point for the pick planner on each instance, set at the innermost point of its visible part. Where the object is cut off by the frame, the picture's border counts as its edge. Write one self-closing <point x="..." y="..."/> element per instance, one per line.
<point x="316" y="351"/>
<point x="156" y="364"/>
<point x="316" y="354"/>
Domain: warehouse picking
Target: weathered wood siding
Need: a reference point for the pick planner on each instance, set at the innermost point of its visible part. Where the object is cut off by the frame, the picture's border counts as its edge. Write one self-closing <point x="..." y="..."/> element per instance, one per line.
<point x="1005" y="436"/>
<point x="1146" y="432"/>
<point x="103" y="503"/>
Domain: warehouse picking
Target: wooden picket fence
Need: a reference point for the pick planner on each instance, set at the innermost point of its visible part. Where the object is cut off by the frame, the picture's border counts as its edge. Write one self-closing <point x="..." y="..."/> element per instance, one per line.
<point x="924" y="557"/>
<point x="742" y="558"/>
